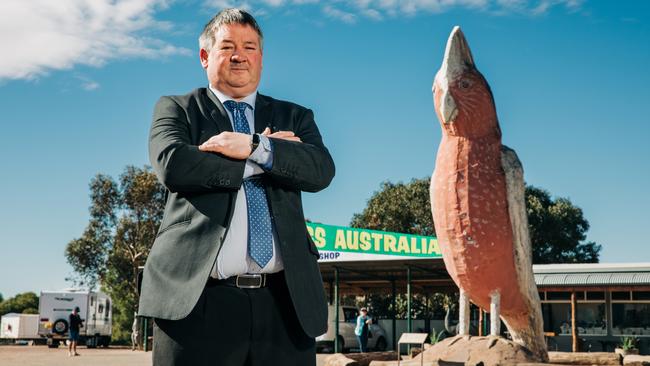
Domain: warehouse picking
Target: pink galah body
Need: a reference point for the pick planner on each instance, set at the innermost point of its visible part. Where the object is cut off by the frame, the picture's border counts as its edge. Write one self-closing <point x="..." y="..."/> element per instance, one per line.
<point x="484" y="251"/>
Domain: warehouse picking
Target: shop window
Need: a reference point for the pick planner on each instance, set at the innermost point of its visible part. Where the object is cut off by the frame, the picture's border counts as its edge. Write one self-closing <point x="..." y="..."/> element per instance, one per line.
<point x="591" y="319"/>
<point x="542" y="295"/>
<point x="620" y="295"/>
<point x="556" y="295"/>
<point x="641" y="295"/>
<point x="595" y="295"/>
<point x="631" y="319"/>
<point x="557" y="318"/>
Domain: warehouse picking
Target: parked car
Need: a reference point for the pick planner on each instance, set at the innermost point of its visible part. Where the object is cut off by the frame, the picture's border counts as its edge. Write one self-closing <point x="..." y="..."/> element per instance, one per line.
<point x="347" y="338"/>
<point x="54" y="309"/>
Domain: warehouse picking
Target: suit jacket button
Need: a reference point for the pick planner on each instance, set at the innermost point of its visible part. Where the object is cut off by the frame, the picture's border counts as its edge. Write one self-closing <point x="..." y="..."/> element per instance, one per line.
<point x="227" y="181"/>
<point x="221" y="181"/>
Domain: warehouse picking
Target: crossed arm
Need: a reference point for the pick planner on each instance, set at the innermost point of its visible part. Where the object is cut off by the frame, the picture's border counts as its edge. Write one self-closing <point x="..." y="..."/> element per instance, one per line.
<point x="300" y="160"/>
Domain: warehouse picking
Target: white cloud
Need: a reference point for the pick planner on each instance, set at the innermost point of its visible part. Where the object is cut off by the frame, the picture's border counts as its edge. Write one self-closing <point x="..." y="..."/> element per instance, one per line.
<point x="38" y="36"/>
<point x="339" y="14"/>
<point x="274" y="3"/>
<point x="87" y="83"/>
<point x="349" y="11"/>
<point x="223" y="4"/>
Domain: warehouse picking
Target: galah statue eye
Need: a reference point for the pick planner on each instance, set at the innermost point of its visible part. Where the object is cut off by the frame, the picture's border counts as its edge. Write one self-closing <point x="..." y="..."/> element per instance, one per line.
<point x="465" y="83"/>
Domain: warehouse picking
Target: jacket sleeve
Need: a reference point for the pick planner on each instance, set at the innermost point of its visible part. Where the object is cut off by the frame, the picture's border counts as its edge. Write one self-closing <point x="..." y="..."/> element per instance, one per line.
<point x="180" y="165"/>
<point x="306" y="165"/>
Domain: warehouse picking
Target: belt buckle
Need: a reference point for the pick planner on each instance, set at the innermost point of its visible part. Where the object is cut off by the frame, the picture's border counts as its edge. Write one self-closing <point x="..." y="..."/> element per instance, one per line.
<point x="259" y="277"/>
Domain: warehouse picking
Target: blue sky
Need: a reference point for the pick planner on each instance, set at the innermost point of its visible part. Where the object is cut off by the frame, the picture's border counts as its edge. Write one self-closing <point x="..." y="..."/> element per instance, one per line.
<point x="78" y="83"/>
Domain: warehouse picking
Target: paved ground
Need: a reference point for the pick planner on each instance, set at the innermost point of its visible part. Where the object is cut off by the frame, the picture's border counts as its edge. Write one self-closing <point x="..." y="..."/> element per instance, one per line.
<point x="43" y="356"/>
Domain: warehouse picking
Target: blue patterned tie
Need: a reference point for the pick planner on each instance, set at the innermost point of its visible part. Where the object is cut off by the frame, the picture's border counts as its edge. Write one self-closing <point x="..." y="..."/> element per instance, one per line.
<point x="260" y="236"/>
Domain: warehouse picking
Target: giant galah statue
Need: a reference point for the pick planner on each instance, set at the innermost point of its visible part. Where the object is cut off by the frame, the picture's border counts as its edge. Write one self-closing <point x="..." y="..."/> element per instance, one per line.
<point x="478" y="204"/>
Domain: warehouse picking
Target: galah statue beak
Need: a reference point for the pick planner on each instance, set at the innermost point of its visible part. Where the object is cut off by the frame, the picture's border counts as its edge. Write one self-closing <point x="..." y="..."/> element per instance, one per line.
<point x="457" y="59"/>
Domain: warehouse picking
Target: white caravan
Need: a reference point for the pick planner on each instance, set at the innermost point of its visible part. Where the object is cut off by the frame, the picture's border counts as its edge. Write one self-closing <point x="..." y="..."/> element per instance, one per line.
<point x="19" y="326"/>
<point x="96" y="312"/>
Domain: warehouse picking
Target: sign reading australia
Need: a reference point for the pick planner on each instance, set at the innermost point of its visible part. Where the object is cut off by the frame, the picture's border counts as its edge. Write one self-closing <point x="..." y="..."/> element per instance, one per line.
<point x="341" y="244"/>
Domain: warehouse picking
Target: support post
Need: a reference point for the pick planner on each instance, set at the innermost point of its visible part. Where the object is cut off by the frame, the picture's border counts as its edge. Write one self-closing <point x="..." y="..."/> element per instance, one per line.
<point x="145" y="333"/>
<point x="408" y="300"/>
<point x="495" y="314"/>
<point x="331" y="292"/>
<point x="574" y="326"/>
<point x="486" y="318"/>
<point x="608" y="312"/>
<point x="336" y="310"/>
<point x="394" y="303"/>
<point x="463" y="313"/>
<point x="480" y="322"/>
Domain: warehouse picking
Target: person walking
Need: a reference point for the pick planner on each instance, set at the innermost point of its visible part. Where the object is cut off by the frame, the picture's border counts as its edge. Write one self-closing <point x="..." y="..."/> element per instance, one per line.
<point x="75" y="323"/>
<point x="363" y="329"/>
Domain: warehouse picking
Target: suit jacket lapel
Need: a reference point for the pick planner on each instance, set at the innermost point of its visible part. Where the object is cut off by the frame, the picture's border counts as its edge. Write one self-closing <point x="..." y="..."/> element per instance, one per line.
<point x="263" y="114"/>
<point x="218" y="112"/>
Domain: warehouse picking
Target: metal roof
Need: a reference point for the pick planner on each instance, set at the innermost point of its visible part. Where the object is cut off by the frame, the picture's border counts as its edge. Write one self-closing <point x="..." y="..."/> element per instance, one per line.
<point x="431" y="274"/>
<point x="592" y="274"/>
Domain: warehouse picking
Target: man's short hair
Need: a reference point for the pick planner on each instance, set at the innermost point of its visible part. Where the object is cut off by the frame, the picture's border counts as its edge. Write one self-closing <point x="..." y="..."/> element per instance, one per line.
<point x="227" y="16"/>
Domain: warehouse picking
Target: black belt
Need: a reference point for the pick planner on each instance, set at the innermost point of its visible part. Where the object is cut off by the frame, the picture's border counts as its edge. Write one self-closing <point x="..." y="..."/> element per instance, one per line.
<point x="249" y="280"/>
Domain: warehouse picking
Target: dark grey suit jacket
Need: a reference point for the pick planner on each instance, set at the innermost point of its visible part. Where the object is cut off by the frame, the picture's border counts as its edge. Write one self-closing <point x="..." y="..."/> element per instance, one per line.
<point x="202" y="188"/>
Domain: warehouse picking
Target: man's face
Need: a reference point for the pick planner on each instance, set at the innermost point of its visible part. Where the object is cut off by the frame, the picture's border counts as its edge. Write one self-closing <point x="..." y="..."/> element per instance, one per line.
<point x="234" y="64"/>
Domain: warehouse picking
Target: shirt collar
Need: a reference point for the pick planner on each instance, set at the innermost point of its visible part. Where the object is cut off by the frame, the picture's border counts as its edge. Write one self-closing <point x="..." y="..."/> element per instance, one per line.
<point x="249" y="99"/>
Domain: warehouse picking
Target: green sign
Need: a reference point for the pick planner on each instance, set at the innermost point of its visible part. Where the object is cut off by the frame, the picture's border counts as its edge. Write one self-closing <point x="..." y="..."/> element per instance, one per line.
<point x="349" y="243"/>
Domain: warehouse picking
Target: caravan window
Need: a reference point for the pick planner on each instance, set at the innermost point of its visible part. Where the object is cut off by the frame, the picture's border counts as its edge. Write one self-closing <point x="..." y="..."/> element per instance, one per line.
<point x="100" y="308"/>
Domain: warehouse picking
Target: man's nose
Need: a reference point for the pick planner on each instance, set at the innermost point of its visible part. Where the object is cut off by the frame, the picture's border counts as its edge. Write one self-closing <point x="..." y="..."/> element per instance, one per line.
<point x="238" y="56"/>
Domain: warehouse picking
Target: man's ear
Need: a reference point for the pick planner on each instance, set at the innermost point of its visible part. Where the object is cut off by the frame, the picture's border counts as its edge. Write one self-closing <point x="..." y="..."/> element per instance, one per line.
<point x="203" y="56"/>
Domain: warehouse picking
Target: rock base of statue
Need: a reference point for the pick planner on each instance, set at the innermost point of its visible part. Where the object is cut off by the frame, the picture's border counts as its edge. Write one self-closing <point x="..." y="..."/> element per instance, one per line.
<point x="470" y="350"/>
<point x="359" y="359"/>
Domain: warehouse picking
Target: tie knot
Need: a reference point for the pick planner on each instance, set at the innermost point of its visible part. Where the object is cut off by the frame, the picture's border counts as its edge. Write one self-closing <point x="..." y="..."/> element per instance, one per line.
<point x="239" y="106"/>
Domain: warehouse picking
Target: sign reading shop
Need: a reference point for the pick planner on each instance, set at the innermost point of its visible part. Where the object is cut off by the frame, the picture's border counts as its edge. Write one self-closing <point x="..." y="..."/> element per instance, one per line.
<point x="342" y="244"/>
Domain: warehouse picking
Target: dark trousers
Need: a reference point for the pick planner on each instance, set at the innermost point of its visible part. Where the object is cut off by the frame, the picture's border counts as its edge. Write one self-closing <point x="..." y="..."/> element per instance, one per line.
<point x="230" y="326"/>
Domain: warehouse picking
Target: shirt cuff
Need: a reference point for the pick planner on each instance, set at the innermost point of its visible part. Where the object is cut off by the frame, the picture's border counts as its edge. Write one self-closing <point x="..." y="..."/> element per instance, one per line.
<point x="263" y="155"/>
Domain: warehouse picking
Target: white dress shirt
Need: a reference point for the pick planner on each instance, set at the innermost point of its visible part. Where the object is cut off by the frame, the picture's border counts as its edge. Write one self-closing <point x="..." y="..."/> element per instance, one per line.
<point x="233" y="258"/>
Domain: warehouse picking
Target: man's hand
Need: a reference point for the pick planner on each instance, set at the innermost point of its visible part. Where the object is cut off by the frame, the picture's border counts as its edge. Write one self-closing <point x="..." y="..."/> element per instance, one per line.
<point x="238" y="145"/>
<point x="284" y="135"/>
<point x="231" y="144"/>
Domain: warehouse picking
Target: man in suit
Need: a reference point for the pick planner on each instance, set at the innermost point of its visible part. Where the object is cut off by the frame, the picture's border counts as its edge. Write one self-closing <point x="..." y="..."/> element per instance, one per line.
<point x="232" y="277"/>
